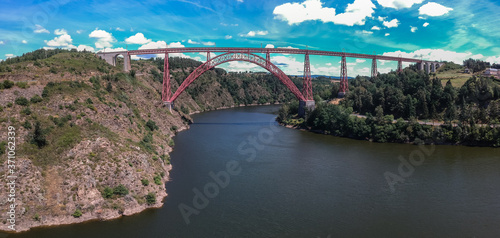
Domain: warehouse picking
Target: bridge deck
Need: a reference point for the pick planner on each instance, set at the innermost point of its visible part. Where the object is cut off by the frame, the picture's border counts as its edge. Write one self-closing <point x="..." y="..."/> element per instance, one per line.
<point x="262" y="50"/>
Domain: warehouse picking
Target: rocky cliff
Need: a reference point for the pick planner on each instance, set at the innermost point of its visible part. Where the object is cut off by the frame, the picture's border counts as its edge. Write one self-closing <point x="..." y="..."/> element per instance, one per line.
<point x="93" y="142"/>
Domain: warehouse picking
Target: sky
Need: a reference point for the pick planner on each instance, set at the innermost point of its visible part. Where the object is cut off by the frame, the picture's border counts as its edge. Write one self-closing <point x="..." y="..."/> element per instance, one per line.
<point x="451" y="30"/>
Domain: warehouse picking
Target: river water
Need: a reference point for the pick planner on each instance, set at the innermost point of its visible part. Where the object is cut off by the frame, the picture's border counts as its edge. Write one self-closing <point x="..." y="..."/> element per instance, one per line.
<point x="278" y="182"/>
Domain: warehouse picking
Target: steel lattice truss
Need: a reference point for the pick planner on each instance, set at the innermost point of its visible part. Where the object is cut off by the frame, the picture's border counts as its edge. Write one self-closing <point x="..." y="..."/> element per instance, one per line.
<point x="248" y="54"/>
<point x="237" y="56"/>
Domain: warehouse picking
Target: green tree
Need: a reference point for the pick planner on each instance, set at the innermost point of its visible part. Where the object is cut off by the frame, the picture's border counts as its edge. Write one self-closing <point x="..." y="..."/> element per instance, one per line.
<point x="38" y="137"/>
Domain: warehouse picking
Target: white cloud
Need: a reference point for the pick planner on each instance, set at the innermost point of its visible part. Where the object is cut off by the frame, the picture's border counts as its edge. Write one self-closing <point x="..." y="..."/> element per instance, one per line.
<point x="239" y="0"/>
<point x="64" y="41"/>
<point x="413" y="28"/>
<point x="138" y="39"/>
<point x="115" y="49"/>
<point x="79" y="31"/>
<point x="328" y="64"/>
<point x="381" y="18"/>
<point x="227" y="37"/>
<point x="355" y="13"/>
<point x="375" y="28"/>
<point x="119" y="29"/>
<point x="425" y="24"/>
<point x="398" y="4"/>
<point x="433" y="9"/>
<point x="193" y="42"/>
<point x="175" y="45"/>
<point x="295" y="13"/>
<point x="24" y="41"/>
<point x="154" y="45"/>
<point x="493" y="59"/>
<point x="269" y="46"/>
<point x="104" y="38"/>
<point x="9" y="56"/>
<point x="391" y="24"/>
<point x="1" y="42"/>
<point x="209" y="43"/>
<point x="360" y="60"/>
<point x="60" y="32"/>
<point x="254" y="33"/>
<point x="364" y="32"/>
<point x="85" y="47"/>
<point x="387" y="34"/>
<point x="39" y="29"/>
<point x="435" y="54"/>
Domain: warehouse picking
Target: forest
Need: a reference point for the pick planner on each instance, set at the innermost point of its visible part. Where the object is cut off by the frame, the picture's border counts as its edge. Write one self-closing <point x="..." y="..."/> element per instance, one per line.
<point x="467" y="115"/>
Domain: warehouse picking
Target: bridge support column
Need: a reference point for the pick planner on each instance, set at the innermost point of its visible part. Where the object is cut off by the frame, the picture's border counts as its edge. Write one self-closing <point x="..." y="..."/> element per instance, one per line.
<point x="307" y="88"/>
<point x="343" y="79"/>
<point x="166" y="93"/>
<point x="374" y="68"/>
<point x="427" y="67"/>
<point x="126" y="63"/>
<point x="169" y="105"/>
<point x="400" y="66"/>
<point x="304" y="106"/>
<point x="420" y="66"/>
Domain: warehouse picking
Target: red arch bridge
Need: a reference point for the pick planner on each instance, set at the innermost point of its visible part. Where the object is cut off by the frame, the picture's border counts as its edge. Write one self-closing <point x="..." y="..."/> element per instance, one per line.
<point x="250" y="55"/>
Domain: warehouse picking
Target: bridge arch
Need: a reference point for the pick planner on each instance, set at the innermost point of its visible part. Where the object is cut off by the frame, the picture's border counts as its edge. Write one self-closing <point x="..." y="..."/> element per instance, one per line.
<point x="238" y="56"/>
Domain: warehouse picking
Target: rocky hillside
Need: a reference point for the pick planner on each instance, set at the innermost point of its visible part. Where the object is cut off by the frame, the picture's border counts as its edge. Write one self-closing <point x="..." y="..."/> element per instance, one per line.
<point x="93" y="142"/>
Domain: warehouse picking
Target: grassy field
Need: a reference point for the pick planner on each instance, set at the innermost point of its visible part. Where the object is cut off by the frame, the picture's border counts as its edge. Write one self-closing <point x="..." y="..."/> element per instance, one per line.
<point x="456" y="76"/>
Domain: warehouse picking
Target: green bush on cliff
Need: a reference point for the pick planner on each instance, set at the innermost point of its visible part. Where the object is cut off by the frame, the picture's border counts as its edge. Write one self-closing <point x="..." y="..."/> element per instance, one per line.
<point x="145" y="182"/>
<point x="157" y="180"/>
<point x="151" y="125"/>
<point x="120" y="190"/>
<point x="77" y="213"/>
<point x="107" y="192"/>
<point x="150" y="198"/>
<point x="22" y="101"/>
<point x="36" y="99"/>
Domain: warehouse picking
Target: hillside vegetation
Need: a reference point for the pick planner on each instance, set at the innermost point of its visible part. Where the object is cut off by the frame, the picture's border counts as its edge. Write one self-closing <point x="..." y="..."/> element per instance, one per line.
<point x="93" y="142"/>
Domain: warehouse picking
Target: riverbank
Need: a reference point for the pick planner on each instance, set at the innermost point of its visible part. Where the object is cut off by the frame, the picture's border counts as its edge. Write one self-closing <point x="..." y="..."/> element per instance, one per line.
<point x="339" y="121"/>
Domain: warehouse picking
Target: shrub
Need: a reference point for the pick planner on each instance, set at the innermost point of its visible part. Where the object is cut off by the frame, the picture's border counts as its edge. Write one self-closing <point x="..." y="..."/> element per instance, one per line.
<point x="89" y="101"/>
<point x="145" y="182"/>
<point x="77" y="213"/>
<point x="38" y="137"/>
<point x="26" y="111"/>
<point x="22" y="84"/>
<point x="22" y="101"/>
<point x="8" y="84"/>
<point x="171" y="142"/>
<point x="53" y="70"/>
<point x="37" y="217"/>
<point x="27" y="125"/>
<point x="173" y="128"/>
<point x="150" y="198"/>
<point x="120" y="190"/>
<point x="151" y="125"/>
<point x="3" y="145"/>
<point x="107" y="192"/>
<point x="36" y="99"/>
<point x="109" y="87"/>
<point x="157" y="179"/>
<point x="9" y="104"/>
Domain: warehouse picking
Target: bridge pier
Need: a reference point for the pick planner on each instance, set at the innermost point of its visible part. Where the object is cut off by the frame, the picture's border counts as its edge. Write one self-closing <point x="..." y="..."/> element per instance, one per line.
<point x="169" y="105"/>
<point x="306" y="105"/>
<point x="343" y="78"/>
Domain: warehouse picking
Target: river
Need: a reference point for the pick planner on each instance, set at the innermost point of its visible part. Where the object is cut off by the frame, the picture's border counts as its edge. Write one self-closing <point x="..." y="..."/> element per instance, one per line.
<point x="278" y="182"/>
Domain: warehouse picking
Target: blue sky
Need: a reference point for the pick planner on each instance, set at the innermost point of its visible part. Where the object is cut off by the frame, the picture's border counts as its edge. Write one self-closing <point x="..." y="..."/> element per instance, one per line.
<point x="433" y="30"/>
